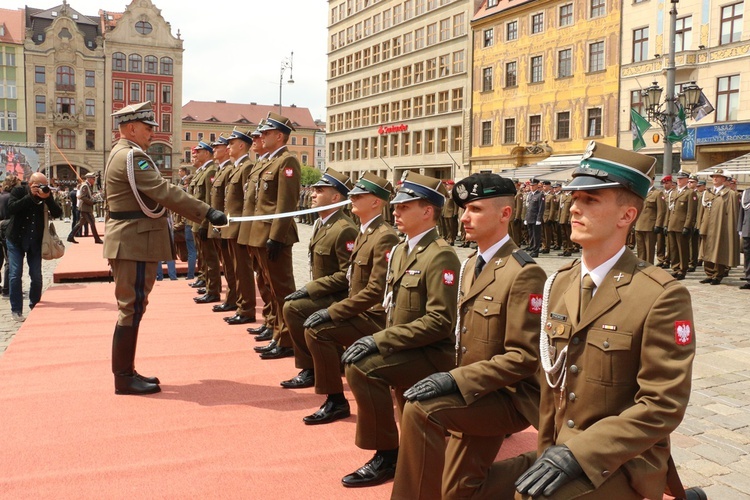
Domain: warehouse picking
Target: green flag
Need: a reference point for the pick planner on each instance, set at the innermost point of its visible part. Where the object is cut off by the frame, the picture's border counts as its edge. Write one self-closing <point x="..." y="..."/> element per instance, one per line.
<point x="639" y="125"/>
<point x="679" y="127"/>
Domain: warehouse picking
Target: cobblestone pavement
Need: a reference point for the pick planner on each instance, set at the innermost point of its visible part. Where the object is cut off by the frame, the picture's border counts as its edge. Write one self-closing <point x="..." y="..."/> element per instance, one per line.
<point x="712" y="446"/>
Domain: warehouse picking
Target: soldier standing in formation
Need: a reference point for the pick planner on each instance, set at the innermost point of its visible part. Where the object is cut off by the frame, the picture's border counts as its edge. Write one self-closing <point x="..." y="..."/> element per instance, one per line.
<point x="720" y="249"/>
<point x="566" y="245"/>
<point x="650" y="222"/>
<point x="534" y="217"/>
<point x="683" y="207"/>
<point x="449" y="219"/>
<point x="662" y="253"/>
<point x="743" y="228"/>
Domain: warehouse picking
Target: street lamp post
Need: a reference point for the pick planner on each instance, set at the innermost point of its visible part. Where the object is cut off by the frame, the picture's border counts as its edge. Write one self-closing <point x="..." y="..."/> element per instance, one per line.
<point x="286" y="63"/>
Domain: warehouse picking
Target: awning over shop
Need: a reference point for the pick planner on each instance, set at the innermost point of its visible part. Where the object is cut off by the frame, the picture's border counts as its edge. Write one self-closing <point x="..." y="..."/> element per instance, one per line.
<point x="553" y="168"/>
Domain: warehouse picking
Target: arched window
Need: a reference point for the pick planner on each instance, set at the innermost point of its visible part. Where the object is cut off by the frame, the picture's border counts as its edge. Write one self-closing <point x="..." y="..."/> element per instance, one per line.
<point x="118" y="61"/>
<point x="65" y="78"/>
<point x="167" y="66"/>
<point x="66" y="139"/>
<point x="134" y="63"/>
<point x="151" y="65"/>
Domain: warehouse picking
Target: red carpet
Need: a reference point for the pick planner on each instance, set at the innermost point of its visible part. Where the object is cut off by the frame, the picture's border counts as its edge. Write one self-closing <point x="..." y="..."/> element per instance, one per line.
<point x="221" y="428"/>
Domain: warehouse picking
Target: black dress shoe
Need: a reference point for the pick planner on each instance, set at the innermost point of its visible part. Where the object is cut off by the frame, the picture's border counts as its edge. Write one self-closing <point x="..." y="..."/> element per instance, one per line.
<point x="329" y="412"/>
<point x="132" y="384"/>
<point x="691" y="269"/>
<point x="746" y="286"/>
<point x="200" y="291"/>
<point x="257" y="329"/>
<point x="207" y="299"/>
<point x="266" y="335"/>
<point x="99" y="242"/>
<point x="534" y="254"/>
<point x="306" y="378"/>
<point x="238" y="319"/>
<point x="197" y="284"/>
<point x="695" y="493"/>
<point x="150" y="380"/>
<point x="278" y="352"/>
<point x="224" y="307"/>
<point x="72" y="240"/>
<point x="376" y="471"/>
<point x="716" y="281"/>
<point x="564" y="254"/>
<point x="705" y="280"/>
<point x="265" y="348"/>
<point x="678" y="276"/>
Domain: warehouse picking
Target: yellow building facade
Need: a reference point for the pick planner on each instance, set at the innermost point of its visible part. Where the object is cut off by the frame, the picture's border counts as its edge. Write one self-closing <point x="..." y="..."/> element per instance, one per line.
<point x="545" y="80"/>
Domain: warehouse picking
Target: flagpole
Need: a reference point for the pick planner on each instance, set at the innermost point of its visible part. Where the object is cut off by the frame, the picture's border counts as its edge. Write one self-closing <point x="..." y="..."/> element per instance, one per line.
<point x="669" y="99"/>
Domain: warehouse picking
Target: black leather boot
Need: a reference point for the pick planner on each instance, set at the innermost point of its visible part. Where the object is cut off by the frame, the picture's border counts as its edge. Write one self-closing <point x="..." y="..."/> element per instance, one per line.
<point x="127" y="380"/>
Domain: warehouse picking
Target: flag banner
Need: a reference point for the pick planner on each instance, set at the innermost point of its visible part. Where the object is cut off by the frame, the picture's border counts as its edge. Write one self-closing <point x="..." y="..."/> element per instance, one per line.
<point x="639" y="126"/>
<point x="703" y="108"/>
<point x="679" y="127"/>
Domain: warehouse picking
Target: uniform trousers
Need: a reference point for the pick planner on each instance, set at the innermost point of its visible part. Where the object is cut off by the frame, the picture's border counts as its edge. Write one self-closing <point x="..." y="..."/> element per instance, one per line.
<point x="212" y="269"/>
<point x="279" y="276"/>
<point x="679" y="251"/>
<point x="535" y="237"/>
<point x="86" y="218"/>
<point x="503" y="475"/>
<point x="661" y="248"/>
<point x="645" y="245"/>
<point x="714" y="270"/>
<point x="263" y="289"/>
<point x="694" y="248"/>
<point x="566" y="244"/>
<point x="327" y="342"/>
<point x="295" y="313"/>
<point x="222" y="250"/>
<point x="476" y="432"/>
<point x="371" y="379"/>
<point x="133" y="283"/>
<point x="549" y="234"/>
<point x="244" y="278"/>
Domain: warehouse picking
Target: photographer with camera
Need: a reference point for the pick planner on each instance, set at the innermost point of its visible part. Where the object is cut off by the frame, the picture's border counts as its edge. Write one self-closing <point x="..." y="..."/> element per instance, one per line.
<point x="26" y="207"/>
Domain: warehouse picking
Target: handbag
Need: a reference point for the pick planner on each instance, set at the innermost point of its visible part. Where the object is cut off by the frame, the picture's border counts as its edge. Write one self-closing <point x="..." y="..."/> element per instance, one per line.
<point x="52" y="247"/>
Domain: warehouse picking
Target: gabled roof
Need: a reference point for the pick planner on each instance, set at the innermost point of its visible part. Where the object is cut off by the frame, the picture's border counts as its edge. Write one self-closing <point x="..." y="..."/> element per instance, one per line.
<point x="502" y="5"/>
<point x="236" y="113"/>
<point x="13" y="21"/>
<point x="38" y="20"/>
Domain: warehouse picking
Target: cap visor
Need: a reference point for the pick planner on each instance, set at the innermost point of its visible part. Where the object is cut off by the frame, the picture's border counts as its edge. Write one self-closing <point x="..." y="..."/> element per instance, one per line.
<point x="588" y="183"/>
<point x="402" y="197"/>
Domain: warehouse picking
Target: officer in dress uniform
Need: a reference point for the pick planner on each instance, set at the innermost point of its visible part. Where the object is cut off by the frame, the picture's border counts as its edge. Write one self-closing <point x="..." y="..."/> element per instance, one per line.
<point x="329" y="331"/>
<point x="548" y="217"/>
<point x="492" y="390"/>
<point x="650" y="222"/>
<point x="217" y="197"/>
<point x="534" y="216"/>
<point x="207" y="254"/>
<point x="418" y="338"/>
<point x="239" y="144"/>
<point x="662" y="252"/>
<point x="138" y="234"/>
<point x="695" y="185"/>
<point x="720" y="250"/>
<point x="330" y="249"/>
<point x="743" y="228"/>
<point x="449" y="220"/>
<point x="617" y="346"/>
<point x="564" y="221"/>
<point x="276" y="190"/>
<point x="683" y="207"/>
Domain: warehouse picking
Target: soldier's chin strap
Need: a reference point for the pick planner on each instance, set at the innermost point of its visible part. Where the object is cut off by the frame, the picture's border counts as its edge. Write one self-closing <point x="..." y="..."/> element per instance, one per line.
<point x="149" y="212"/>
<point x="555" y="373"/>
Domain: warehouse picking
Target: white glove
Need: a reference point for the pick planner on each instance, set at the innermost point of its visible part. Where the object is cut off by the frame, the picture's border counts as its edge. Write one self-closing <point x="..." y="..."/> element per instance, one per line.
<point x="538" y="223"/>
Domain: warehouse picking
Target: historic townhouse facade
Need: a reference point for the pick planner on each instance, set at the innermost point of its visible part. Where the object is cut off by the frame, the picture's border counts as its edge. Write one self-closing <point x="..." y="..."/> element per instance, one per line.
<point x="398" y="87"/>
<point x="712" y="49"/>
<point x="545" y="79"/>
<point x="12" y="77"/>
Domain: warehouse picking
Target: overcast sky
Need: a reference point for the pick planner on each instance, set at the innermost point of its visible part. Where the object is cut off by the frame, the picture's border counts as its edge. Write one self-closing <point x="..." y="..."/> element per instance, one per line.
<point x="272" y="29"/>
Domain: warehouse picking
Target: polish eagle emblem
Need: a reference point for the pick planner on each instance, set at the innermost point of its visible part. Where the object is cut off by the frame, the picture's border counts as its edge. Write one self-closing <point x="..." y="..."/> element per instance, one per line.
<point x="683" y="332"/>
<point x="449" y="277"/>
<point x="535" y="303"/>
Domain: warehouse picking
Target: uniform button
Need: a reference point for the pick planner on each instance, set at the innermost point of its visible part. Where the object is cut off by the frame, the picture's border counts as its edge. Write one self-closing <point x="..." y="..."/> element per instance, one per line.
<point x="572" y="396"/>
<point x="573" y="369"/>
<point x="465" y="310"/>
<point x="390" y="349"/>
<point x="606" y="344"/>
<point x="605" y="473"/>
<point x="463" y="350"/>
<point x="485" y="309"/>
<point x="463" y="330"/>
<point x="576" y="341"/>
<point x="476" y="394"/>
<point x="571" y="424"/>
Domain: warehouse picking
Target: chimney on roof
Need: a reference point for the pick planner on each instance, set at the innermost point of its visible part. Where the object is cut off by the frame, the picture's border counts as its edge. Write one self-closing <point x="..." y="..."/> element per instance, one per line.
<point x="253" y="103"/>
<point x="221" y="101"/>
<point x="293" y="106"/>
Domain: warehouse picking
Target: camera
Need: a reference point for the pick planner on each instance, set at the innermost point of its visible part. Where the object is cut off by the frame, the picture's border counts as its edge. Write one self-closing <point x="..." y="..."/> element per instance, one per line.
<point x="44" y="188"/>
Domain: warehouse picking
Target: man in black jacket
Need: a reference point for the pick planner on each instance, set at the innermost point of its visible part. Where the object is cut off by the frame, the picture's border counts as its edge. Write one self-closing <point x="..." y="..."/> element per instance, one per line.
<point x="26" y="207"/>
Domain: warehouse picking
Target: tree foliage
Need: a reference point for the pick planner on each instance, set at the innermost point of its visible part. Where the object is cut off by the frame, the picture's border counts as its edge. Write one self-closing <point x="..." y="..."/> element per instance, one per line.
<point x="310" y="175"/>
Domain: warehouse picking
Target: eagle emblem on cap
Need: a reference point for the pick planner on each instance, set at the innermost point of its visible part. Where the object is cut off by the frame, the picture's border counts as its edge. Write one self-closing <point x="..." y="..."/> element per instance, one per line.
<point x="462" y="192"/>
<point x="589" y="151"/>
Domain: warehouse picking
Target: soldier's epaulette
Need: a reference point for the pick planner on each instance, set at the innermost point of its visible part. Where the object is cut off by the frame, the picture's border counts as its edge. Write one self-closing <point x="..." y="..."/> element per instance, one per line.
<point x="657" y="274"/>
<point x="442" y="243"/>
<point x="569" y="265"/>
<point x="523" y="258"/>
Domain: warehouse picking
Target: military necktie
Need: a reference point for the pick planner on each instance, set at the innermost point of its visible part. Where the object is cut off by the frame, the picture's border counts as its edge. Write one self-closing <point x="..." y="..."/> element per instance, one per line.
<point x="478" y="266"/>
<point x="587" y="291"/>
<point x="316" y="226"/>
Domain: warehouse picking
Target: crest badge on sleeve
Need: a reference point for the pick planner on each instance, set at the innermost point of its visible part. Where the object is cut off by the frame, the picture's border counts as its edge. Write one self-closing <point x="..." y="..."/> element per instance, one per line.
<point x="349" y="246"/>
<point x="535" y="303"/>
<point x="449" y="277"/>
<point x="683" y="332"/>
<point x="289" y="172"/>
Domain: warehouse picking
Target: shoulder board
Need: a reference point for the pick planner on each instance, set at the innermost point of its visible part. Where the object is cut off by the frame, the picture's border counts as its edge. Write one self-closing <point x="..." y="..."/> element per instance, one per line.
<point x="143" y="164"/>
<point x="569" y="266"/>
<point x="442" y="243"/>
<point x="523" y="258"/>
<point x="657" y="274"/>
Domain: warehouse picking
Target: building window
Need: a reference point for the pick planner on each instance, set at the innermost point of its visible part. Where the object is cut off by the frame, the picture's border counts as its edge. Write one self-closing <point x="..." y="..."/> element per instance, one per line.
<point x="90" y="78"/>
<point x="166" y="123"/>
<point x="431" y="34"/>
<point x="492" y="3"/>
<point x="151" y="65"/>
<point x="418" y="106"/>
<point x="41" y="133"/>
<point x="406" y="109"/>
<point x="486" y="79"/>
<point x="90" y="107"/>
<point x="459" y="25"/>
<point x="10" y="58"/>
<point x="211" y="136"/>
<point x="598" y="8"/>
<point x="445" y="29"/>
<point x="41" y="104"/>
<point x="40" y="75"/>
<point x="511" y="31"/>
<point x="419" y="38"/>
<point x="457" y="101"/>
<point x="66" y="105"/>
<point x="66" y="139"/>
<point x="489" y="37"/>
<point x="166" y="94"/>
<point x="456" y="138"/>
<point x="118" y="93"/>
<point x="151" y="92"/>
<point x="636" y="101"/>
<point x="135" y="92"/>
<point x="394" y="144"/>
<point x="458" y="61"/>
<point x="188" y="136"/>
<point x="406" y="76"/>
<point x="594" y="122"/>
<point x="565" y="63"/>
<point x="537" y="74"/>
<point x="511" y="75"/>
<point x="640" y="44"/>
<point x="418" y="73"/>
<point x="405" y="144"/>
<point x="443" y="102"/>
<point x="429" y="142"/>
<point x="118" y="61"/>
<point x="143" y="27"/>
<point x="509" y="134"/>
<point x="90" y="140"/>
<point x="134" y="63"/>
<point x="596" y="56"/>
<point x="731" y="23"/>
<point x="431" y="68"/>
<point x="167" y="66"/>
<point x="537" y="23"/>
<point x="429" y="105"/>
<point x="417" y="139"/>
<point x="683" y="34"/>
<point x="566" y="15"/>
<point x="65" y="79"/>
<point x="563" y="125"/>
<point x="442" y="140"/>
<point x="535" y="128"/>
<point x="444" y="65"/>
<point x="486" y="135"/>
<point x="727" y="98"/>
